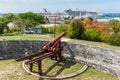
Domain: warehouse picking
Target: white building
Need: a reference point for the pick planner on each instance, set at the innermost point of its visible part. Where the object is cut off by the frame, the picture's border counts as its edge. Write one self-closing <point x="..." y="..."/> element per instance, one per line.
<point x="82" y="14"/>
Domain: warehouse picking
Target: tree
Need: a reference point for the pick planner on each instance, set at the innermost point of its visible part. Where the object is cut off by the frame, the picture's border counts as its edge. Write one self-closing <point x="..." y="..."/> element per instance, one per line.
<point x="31" y="19"/>
<point x="2" y="27"/>
<point x="5" y="19"/>
<point x="28" y="23"/>
<point x="88" y="21"/>
<point x="8" y="17"/>
<point x="76" y="29"/>
<point x="19" y="24"/>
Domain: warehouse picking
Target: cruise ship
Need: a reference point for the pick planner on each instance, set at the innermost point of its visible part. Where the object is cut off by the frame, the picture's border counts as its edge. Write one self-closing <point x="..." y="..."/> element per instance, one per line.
<point x="83" y="13"/>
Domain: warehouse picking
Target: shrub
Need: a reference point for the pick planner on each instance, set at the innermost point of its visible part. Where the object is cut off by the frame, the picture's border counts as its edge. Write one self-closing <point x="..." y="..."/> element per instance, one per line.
<point x="50" y="29"/>
<point x="104" y="35"/>
<point x="76" y="30"/>
<point x="67" y="21"/>
<point x="61" y="28"/>
<point x="44" y="30"/>
<point x="115" y="25"/>
<point x="113" y="40"/>
<point x="91" y="34"/>
<point x="88" y="21"/>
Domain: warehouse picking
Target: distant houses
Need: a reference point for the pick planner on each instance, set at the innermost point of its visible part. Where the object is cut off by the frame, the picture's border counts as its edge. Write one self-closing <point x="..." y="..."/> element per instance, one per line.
<point x="53" y="17"/>
<point x="60" y="16"/>
<point x="36" y="30"/>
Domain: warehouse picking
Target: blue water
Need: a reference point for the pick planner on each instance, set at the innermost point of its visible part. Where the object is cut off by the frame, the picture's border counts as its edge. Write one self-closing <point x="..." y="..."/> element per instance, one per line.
<point x="109" y="15"/>
<point x="112" y="14"/>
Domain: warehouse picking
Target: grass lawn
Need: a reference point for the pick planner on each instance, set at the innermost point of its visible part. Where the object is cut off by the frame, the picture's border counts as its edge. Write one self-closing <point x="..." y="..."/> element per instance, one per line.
<point x="23" y="37"/>
<point x="12" y="70"/>
<point x="50" y="36"/>
<point x="101" y="44"/>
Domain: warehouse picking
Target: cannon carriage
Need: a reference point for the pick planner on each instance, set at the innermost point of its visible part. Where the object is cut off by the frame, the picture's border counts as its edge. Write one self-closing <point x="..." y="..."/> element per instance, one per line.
<point x="52" y="49"/>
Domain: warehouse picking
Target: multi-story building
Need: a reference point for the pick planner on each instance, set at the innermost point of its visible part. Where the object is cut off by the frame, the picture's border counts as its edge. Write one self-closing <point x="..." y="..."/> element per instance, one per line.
<point x="82" y="14"/>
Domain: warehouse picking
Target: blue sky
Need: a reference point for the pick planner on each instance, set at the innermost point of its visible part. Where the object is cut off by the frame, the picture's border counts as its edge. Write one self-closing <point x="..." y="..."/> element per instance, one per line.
<point x="17" y="6"/>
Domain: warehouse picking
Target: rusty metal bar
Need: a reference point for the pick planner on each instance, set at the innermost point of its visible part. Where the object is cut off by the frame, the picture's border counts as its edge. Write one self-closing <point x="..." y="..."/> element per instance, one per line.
<point x="30" y="56"/>
<point x="40" y="57"/>
<point x="40" y="67"/>
<point x="59" y="54"/>
<point x="56" y="38"/>
<point x="31" y="65"/>
<point x="56" y="43"/>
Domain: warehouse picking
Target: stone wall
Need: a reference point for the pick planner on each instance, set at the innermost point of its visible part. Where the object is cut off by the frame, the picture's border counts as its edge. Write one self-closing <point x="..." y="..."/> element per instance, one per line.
<point x="17" y="48"/>
<point x="100" y="58"/>
<point x="97" y="57"/>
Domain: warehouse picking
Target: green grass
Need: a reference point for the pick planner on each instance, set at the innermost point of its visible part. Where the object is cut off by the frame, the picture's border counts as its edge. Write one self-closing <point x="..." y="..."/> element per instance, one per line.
<point x="58" y="68"/>
<point x="45" y="37"/>
<point x="12" y="70"/>
<point x="23" y="37"/>
<point x="101" y="44"/>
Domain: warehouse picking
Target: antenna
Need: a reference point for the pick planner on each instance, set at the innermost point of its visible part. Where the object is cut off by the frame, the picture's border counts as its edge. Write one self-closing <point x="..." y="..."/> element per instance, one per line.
<point x="45" y="9"/>
<point x="46" y="16"/>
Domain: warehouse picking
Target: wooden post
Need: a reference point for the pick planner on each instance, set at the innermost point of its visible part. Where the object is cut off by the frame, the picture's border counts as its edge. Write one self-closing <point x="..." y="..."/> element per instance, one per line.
<point x="59" y="54"/>
<point x="31" y="65"/>
<point x="40" y="67"/>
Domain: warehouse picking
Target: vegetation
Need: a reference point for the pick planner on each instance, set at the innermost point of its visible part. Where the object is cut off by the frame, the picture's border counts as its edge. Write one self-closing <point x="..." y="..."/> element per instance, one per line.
<point x="4" y="21"/>
<point x="50" y="36"/>
<point x="88" y="29"/>
<point x="91" y="34"/>
<point x="12" y="70"/>
<point x="31" y="19"/>
<point x="101" y="44"/>
<point x="23" y="37"/>
<point x="20" y="22"/>
<point x="85" y="29"/>
<point x="76" y="29"/>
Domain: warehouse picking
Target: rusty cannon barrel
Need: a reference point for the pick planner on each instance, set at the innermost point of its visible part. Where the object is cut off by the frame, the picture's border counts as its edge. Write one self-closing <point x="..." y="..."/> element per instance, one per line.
<point x="53" y="41"/>
<point x="30" y="56"/>
<point x="57" y="38"/>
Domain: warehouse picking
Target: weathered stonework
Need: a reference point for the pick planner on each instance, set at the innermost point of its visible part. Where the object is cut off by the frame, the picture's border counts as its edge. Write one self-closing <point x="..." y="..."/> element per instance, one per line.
<point x="17" y="48"/>
<point x="97" y="57"/>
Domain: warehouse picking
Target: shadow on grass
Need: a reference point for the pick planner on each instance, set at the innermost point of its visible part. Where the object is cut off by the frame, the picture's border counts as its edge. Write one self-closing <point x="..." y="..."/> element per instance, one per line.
<point x="63" y="65"/>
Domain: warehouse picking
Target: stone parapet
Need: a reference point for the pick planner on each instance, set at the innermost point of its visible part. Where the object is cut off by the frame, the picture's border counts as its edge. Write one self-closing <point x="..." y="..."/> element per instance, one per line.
<point x="98" y="57"/>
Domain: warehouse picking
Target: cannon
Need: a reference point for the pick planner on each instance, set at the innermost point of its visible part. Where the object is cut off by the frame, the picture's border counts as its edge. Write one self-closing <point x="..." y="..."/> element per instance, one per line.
<point x="52" y="49"/>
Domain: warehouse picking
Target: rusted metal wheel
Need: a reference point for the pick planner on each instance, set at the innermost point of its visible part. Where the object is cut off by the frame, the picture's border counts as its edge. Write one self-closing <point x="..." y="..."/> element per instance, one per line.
<point x="84" y="68"/>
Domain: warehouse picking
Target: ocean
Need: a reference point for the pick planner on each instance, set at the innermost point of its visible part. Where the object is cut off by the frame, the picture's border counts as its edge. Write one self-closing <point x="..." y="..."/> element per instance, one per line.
<point x="108" y="17"/>
<point x="112" y="14"/>
<point x="103" y="18"/>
